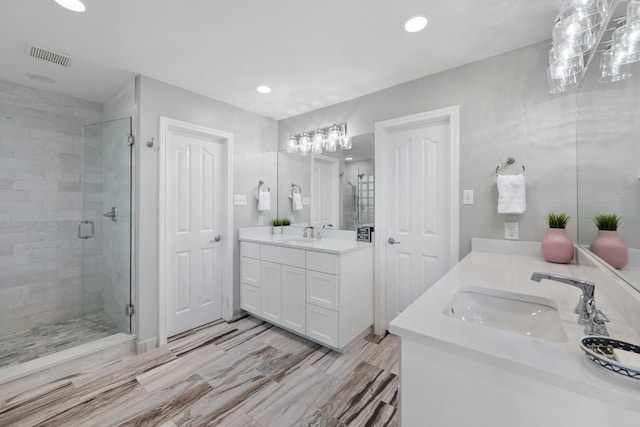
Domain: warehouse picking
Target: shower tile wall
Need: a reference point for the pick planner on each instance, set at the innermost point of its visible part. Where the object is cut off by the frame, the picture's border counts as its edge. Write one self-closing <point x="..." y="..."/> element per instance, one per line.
<point x="40" y="205"/>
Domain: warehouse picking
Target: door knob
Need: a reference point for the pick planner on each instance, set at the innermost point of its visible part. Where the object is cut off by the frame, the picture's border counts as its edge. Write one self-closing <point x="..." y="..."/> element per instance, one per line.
<point x="216" y="239"/>
<point x="392" y="241"/>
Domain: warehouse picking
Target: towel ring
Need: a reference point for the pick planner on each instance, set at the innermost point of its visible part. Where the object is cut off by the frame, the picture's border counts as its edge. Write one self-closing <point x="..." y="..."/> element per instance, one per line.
<point x="508" y="161"/>
<point x="260" y="184"/>
<point x="293" y="188"/>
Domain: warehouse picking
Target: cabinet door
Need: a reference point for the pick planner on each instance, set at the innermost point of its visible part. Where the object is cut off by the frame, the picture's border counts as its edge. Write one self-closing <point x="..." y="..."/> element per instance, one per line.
<point x="250" y="298"/>
<point x="293" y="298"/>
<point x="250" y="271"/>
<point x="322" y="289"/>
<point x="322" y="325"/>
<point x="271" y="291"/>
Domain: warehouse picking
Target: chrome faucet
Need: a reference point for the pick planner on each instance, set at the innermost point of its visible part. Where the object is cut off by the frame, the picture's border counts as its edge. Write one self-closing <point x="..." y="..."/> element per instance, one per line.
<point x="308" y="235"/>
<point x="588" y="315"/>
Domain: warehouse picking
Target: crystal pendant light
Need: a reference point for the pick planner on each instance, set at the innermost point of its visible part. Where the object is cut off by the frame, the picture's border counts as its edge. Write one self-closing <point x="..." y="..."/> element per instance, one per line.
<point x="611" y="70"/>
<point x="292" y="144"/>
<point x="346" y="143"/>
<point x="304" y="144"/>
<point x="318" y="142"/>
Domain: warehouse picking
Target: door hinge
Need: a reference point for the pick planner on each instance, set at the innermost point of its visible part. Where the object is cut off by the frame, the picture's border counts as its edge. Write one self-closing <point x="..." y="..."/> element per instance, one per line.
<point x="128" y="309"/>
<point x="131" y="140"/>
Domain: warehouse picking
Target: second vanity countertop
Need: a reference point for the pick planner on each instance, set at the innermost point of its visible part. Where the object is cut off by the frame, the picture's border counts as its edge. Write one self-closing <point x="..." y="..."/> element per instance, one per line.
<point x="326" y="244"/>
<point x="561" y="364"/>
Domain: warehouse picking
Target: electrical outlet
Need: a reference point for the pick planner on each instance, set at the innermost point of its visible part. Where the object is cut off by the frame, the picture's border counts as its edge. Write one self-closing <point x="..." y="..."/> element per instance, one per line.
<point x="240" y="200"/>
<point x="467" y="197"/>
<point x="511" y="230"/>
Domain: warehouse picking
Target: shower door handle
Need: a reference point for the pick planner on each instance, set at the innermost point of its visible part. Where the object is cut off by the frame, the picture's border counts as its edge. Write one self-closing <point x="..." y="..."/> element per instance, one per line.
<point x="92" y="229"/>
<point x="113" y="214"/>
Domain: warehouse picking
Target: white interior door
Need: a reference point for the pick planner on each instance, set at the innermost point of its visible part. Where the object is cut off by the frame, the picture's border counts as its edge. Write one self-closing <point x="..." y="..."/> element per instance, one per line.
<point x="418" y="235"/>
<point x="193" y="249"/>
<point x="325" y="191"/>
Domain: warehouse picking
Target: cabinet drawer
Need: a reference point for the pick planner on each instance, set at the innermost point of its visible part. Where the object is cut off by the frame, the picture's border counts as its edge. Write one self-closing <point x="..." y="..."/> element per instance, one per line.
<point x="287" y="256"/>
<point x="251" y="250"/>
<point x="250" y="298"/>
<point x="322" y="325"/>
<point x="250" y="271"/>
<point x="320" y="261"/>
<point x="322" y="289"/>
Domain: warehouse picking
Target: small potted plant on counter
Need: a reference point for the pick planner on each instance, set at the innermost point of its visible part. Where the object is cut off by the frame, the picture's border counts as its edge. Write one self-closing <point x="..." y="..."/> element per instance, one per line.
<point x="607" y="244"/>
<point x="556" y="245"/>
<point x="286" y="222"/>
<point x="276" y="224"/>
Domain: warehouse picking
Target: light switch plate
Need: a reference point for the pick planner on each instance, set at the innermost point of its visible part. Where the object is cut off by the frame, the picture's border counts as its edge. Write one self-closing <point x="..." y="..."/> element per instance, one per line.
<point x="260" y="220"/>
<point x="467" y="197"/>
<point x="240" y="200"/>
<point x="511" y="230"/>
<point x="306" y="201"/>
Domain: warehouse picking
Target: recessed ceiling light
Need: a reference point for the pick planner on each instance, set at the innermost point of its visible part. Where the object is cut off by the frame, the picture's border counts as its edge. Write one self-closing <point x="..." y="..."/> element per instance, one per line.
<point x="74" y="5"/>
<point x="348" y="159"/>
<point x="263" y="89"/>
<point x="40" y="78"/>
<point x="415" y="23"/>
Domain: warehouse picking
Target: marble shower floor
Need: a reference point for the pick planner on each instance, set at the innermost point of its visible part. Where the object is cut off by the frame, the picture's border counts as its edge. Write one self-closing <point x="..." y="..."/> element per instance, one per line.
<point x="49" y="339"/>
<point x="244" y="373"/>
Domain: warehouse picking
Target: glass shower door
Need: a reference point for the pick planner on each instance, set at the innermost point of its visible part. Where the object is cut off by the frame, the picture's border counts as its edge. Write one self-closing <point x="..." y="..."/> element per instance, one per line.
<point x="106" y="228"/>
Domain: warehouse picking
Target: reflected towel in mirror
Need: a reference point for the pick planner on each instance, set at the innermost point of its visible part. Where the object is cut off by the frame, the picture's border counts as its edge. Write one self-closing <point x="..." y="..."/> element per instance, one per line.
<point x="296" y="200"/>
<point x="511" y="194"/>
<point x="264" y="201"/>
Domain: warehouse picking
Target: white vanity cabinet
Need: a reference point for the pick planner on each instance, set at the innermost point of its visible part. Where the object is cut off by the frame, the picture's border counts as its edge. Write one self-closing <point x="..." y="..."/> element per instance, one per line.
<point x="326" y="297"/>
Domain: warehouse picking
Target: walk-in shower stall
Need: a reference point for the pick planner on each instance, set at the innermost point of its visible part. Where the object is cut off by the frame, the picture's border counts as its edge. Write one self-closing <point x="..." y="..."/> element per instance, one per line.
<point x="65" y="228"/>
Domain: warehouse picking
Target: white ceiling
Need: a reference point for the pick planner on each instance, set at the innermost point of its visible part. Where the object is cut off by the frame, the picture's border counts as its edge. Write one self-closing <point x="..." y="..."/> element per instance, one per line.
<point x="312" y="53"/>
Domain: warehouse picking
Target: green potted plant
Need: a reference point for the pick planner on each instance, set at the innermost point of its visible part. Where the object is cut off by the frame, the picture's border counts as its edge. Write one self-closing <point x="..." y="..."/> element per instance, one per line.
<point x="607" y="244"/>
<point x="276" y="226"/>
<point x="556" y="246"/>
<point x="286" y="222"/>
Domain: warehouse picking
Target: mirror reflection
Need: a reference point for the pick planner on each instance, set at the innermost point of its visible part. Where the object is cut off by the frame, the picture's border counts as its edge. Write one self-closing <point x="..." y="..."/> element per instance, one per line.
<point x="608" y="150"/>
<point x="331" y="189"/>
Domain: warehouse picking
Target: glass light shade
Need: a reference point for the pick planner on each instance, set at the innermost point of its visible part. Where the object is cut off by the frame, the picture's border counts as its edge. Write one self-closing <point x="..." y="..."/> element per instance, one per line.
<point x="562" y="84"/>
<point x="624" y="49"/>
<point x="346" y="143"/>
<point x="565" y="60"/>
<point x="633" y="11"/>
<point x="292" y="144"/>
<point x="610" y="70"/>
<point x="573" y="30"/>
<point x="334" y="133"/>
<point x="331" y="145"/>
<point x="304" y="144"/>
<point x="73" y="5"/>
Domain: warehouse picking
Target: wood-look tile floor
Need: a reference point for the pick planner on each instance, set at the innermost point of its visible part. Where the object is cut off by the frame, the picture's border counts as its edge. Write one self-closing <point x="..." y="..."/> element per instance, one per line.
<point x="245" y="373"/>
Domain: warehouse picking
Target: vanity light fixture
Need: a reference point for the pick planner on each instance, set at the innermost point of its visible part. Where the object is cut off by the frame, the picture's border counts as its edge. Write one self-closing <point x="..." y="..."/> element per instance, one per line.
<point x="73" y="5"/>
<point x="415" y="23"/>
<point x="322" y="139"/>
<point x="263" y="89"/>
<point x="578" y="34"/>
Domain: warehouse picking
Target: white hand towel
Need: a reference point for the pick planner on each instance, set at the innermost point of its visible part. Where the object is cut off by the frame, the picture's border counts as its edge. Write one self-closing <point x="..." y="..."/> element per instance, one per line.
<point x="511" y="194"/>
<point x="264" y="201"/>
<point x="297" y="201"/>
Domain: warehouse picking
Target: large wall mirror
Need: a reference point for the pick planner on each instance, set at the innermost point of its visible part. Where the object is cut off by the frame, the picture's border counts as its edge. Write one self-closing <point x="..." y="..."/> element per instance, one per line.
<point x="332" y="188"/>
<point x="608" y="147"/>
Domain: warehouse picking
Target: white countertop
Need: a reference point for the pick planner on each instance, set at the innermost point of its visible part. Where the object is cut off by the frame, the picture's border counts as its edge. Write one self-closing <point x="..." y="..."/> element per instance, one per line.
<point x="561" y="364"/>
<point x="326" y="244"/>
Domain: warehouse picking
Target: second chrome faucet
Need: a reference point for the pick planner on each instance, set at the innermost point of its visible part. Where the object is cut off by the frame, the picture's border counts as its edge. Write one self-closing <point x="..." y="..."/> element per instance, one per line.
<point x="588" y="315"/>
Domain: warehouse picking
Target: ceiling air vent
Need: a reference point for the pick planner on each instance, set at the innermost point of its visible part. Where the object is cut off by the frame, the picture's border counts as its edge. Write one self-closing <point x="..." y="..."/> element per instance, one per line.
<point x="48" y="55"/>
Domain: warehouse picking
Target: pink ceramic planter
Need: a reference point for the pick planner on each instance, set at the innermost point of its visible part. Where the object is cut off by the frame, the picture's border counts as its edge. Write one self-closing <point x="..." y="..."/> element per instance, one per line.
<point x="608" y="246"/>
<point x="557" y="247"/>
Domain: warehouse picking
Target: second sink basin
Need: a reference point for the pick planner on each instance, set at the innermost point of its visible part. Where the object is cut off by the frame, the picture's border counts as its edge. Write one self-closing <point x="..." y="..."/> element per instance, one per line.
<point x="523" y="314"/>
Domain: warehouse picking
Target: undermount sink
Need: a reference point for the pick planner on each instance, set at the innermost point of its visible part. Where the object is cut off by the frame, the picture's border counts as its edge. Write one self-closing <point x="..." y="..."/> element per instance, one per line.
<point x="523" y="314"/>
<point x="300" y="241"/>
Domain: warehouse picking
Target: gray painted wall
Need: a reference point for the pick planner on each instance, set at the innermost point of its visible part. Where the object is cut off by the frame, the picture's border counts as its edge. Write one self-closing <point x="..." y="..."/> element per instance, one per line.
<point x="255" y="146"/>
<point x="505" y="110"/>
